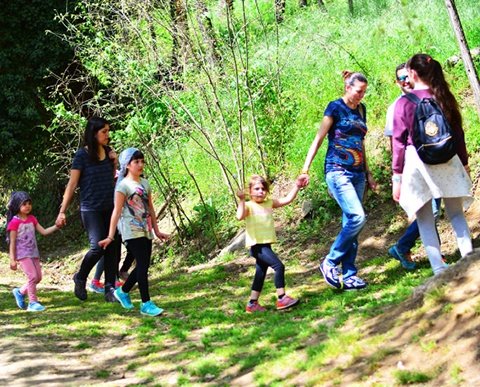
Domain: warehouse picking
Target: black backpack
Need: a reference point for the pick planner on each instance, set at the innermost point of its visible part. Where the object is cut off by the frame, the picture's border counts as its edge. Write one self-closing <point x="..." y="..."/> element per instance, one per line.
<point x="432" y="134"/>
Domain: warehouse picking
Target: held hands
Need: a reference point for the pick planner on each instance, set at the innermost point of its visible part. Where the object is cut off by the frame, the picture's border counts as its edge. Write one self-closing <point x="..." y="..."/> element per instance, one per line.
<point x="303" y="180"/>
<point x="61" y="220"/>
<point x="105" y="242"/>
<point x="241" y="194"/>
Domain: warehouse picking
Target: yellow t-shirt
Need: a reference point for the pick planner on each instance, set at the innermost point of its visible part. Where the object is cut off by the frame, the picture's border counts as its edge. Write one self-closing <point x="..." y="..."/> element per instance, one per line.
<point x="259" y="223"/>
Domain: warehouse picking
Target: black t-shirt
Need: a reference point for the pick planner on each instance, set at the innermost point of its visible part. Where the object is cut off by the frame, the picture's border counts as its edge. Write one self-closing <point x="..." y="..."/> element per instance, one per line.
<point x="96" y="182"/>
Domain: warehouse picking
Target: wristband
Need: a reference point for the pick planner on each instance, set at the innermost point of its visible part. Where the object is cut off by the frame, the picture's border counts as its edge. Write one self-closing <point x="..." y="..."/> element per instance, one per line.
<point x="109" y="237"/>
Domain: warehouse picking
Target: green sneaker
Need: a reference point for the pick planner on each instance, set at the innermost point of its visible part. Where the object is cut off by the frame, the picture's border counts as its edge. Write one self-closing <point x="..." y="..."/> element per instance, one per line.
<point x="150" y="309"/>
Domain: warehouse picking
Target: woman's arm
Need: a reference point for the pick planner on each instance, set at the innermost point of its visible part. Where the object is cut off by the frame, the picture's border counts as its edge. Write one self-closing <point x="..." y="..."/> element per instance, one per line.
<point x="325" y="126"/>
<point x="370" y="180"/>
<point x="13" y="250"/>
<point x="117" y="212"/>
<point x="67" y="196"/>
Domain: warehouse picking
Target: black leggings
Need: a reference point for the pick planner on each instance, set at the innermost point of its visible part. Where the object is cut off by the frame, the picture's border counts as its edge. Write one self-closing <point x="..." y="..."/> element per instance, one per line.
<point x="265" y="257"/>
<point x="141" y="249"/>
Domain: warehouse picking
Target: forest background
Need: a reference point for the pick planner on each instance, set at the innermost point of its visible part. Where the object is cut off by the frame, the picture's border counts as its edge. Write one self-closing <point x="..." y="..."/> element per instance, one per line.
<point x="210" y="91"/>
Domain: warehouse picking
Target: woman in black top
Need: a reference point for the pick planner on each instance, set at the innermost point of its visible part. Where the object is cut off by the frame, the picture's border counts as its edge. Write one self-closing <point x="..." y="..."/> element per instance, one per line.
<point x="93" y="170"/>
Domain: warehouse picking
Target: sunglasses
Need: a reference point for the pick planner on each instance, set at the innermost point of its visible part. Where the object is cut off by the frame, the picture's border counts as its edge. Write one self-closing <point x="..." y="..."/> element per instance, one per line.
<point x="402" y="78"/>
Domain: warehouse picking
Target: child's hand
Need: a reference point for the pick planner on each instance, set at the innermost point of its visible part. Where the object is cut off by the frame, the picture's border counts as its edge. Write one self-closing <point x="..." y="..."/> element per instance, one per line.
<point x="104" y="243"/>
<point x="241" y="194"/>
<point x="160" y="235"/>
<point x="13" y="264"/>
<point x="61" y="220"/>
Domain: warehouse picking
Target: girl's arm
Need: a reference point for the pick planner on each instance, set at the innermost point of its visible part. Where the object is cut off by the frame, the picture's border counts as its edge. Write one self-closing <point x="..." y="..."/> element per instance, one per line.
<point x="13" y="250"/>
<point x="242" y="210"/>
<point x="157" y="231"/>
<point x="325" y="126"/>
<point x="67" y="196"/>
<point x="46" y="231"/>
<point x="290" y="196"/>
<point x="117" y="212"/>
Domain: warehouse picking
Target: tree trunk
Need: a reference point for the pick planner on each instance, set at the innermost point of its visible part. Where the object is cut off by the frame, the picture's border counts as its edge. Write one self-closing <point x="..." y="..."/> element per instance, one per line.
<point x="279" y="10"/>
<point x="178" y="14"/>
<point x="465" y="52"/>
<point x="350" y="6"/>
<point x="208" y="34"/>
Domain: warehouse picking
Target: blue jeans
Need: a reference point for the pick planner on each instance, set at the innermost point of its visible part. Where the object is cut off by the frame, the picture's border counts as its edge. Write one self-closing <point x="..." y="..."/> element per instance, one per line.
<point x="411" y="234"/>
<point x="347" y="188"/>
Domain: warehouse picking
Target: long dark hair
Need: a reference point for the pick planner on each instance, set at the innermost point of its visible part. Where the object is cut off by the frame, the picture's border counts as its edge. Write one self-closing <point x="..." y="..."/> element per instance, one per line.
<point x="94" y="124"/>
<point x="430" y="72"/>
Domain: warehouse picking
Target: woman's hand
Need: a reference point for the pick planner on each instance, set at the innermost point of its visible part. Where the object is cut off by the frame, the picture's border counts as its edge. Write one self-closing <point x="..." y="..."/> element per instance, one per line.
<point x="303" y="180"/>
<point x="396" y="188"/>
<point x="13" y="264"/>
<point x="372" y="184"/>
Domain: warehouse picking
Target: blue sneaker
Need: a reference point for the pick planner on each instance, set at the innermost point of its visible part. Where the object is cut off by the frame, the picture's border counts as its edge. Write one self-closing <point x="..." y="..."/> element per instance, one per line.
<point x="96" y="286"/>
<point x="330" y="273"/>
<point x="123" y="298"/>
<point x="354" y="283"/>
<point x="393" y="251"/>
<point x="35" y="307"/>
<point x="19" y="298"/>
<point x="150" y="309"/>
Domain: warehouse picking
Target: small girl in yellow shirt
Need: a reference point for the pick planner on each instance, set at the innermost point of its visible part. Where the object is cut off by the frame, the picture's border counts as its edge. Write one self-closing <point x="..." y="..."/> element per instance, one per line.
<point x="260" y="234"/>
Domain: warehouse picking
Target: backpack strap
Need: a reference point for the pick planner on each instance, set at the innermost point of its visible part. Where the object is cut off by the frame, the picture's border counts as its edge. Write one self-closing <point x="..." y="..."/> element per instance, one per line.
<point x="412" y="98"/>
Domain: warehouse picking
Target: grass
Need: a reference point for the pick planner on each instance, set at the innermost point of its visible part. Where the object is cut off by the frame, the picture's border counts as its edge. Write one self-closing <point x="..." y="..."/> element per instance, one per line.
<point x="205" y="334"/>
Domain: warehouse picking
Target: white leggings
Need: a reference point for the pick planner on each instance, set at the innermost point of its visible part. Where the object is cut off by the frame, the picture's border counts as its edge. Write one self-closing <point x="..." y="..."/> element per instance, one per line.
<point x="426" y="226"/>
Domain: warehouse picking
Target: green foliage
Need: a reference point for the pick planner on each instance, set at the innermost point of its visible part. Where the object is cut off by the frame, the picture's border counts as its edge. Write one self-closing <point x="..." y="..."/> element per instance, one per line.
<point x="411" y="377"/>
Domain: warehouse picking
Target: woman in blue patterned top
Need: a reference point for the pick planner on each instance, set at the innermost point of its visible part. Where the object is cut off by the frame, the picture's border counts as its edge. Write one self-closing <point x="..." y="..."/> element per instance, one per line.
<point x="346" y="174"/>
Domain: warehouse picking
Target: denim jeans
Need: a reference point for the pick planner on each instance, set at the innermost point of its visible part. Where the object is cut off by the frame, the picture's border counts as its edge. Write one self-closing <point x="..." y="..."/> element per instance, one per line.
<point x="347" y="188"/>
<point x="265" y="257"/>
<point x="412" y="233"/>
<point x="96" y="224"/>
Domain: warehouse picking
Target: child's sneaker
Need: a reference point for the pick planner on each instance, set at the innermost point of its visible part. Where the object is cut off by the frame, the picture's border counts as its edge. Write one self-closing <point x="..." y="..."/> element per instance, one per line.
<point x="35" y="307"/>
<point x="253" y="307"/>
<point x="96" y="286"/>
<point x="118" y="284"/>
<point x="123" y="298"/>
<point x="286" y="302"/>
<point x="393" y="251"/>
<point x="330" y="273"/>
<point x="150" y="309"/>
<point x="354" y="283"/>
<point x="19" y="298"/>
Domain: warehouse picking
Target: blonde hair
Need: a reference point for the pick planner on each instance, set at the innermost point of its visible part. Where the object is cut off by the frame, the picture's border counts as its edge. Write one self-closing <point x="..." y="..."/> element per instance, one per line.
<point x="258" y="179"/>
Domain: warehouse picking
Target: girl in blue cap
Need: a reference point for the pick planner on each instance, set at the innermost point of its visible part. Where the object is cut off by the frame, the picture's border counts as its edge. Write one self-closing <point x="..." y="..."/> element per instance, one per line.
<point x="135" y="216"/>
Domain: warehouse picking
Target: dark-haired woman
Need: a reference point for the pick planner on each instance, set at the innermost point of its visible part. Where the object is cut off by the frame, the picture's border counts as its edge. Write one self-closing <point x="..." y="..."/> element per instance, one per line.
<point x="414" y="183"/>
<point x="93" y="171"/>
<point x="346" y="174"/>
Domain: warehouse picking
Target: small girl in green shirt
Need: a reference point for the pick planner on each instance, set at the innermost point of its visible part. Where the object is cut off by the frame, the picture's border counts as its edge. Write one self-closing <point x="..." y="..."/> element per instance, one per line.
<point x="260" y="234"/>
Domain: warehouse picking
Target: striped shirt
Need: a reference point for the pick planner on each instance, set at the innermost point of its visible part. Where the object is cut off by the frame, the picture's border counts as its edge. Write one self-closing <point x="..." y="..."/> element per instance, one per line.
<point x="96" y="182"/>
<point x="259" y="223"/>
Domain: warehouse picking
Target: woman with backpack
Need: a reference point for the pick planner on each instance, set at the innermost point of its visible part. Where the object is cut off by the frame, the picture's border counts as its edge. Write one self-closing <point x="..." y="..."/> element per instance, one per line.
<point x="416" y="180"/>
